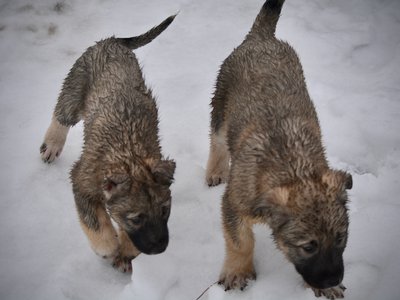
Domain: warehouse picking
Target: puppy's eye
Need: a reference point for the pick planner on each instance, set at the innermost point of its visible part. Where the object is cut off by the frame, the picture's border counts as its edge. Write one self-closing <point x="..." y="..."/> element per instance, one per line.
<point x="340" y="239"/>
<point x="310" y="247"/>
<point x="136" y="219"/>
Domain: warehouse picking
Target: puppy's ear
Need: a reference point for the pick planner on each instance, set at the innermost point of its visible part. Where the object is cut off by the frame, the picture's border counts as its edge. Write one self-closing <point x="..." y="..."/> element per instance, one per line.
<point x="163" y="172"/>
<point x="337" y="180"/>
<point x="115" y="183"/>
<point x="348" y="181"/>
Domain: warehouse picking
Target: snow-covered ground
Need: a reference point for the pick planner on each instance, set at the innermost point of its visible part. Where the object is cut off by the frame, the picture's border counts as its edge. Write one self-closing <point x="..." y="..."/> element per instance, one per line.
<point x="350" y="50"/>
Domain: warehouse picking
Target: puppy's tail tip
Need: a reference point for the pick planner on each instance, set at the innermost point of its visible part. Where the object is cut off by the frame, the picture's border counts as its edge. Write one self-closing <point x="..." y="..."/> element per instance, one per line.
<point x="274" y="5"/>
<point x="145" y="38"/>
<point x="269" y="16"/>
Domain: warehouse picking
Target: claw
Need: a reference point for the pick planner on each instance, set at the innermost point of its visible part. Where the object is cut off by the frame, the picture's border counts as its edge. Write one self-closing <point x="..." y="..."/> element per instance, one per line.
<point x="330" y="293"/>
<point x="122" y="263"/>
<point x="43" y="148"/>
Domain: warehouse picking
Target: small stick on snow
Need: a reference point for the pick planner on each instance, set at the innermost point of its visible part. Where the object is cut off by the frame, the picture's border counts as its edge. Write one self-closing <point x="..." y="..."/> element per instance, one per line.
<point x="202" y="294"/>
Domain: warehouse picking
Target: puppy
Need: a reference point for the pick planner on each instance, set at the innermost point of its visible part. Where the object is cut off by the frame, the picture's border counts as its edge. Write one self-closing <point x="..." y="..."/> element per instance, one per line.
<point x="121" y="173"/>
<point x="265" y="124"/>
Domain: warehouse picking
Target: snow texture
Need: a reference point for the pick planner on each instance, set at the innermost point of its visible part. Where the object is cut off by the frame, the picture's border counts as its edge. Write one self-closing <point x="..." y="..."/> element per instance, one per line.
<point x="350" y="50"/>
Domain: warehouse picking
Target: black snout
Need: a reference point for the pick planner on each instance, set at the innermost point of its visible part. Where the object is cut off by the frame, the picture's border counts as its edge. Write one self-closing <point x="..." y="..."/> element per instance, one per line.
<point x="322" y="271"/>
<point x="152" y="238"/>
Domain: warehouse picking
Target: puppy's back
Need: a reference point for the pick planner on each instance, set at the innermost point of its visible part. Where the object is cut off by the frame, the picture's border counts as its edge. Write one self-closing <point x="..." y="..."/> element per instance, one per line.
<point x="266" y="94"/>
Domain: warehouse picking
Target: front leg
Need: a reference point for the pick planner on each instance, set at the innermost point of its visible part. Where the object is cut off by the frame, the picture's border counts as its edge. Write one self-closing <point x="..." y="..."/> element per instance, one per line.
<point x="123" y="261"/>
<point x="238" y="267"/>
<point x="94" y="219"/>
<point x="97" y="226"/>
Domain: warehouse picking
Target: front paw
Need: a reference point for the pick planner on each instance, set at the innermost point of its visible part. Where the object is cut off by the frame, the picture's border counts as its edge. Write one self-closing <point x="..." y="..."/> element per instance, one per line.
<point x="330" y="293"/>
<point x="123" y="263"/>
<point x="236" y="280"/>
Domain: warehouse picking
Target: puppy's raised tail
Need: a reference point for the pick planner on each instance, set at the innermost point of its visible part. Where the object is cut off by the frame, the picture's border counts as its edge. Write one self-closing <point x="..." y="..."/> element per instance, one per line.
<point x="145" y="38"/>
<point x="268" y="17"/>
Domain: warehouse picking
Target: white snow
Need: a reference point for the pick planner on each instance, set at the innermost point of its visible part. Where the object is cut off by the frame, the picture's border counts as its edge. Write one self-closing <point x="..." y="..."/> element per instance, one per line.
<point x="350" y="52"/>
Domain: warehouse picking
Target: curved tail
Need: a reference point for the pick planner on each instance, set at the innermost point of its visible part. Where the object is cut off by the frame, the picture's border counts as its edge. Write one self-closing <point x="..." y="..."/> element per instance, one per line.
<point x="268" y="17"/>
<point x="145" y="38"/>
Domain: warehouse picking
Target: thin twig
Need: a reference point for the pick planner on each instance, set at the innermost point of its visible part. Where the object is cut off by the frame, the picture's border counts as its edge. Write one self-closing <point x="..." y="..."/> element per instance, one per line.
<point x="202" y="294"/>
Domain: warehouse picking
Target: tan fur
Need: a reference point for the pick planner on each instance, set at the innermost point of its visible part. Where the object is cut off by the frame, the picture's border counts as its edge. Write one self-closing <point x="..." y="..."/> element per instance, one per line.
<point x="218" y="161"/>
<point x="126" y="247"/>
<point x="54" y="140"/>
<point x="104" y="241"/>
<point x="239" y="257"/>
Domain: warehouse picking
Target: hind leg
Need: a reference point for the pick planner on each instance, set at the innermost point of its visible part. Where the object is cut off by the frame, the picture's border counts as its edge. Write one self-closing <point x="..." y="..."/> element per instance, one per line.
<point x="54" y="141"/>
<point x="68" y="111"/>
<point x="218" y="160"/>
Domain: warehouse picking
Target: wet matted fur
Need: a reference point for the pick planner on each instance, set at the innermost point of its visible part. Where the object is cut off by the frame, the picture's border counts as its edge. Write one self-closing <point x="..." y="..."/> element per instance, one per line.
<point x="121" y="172"/>
<point x="266" y="144"/>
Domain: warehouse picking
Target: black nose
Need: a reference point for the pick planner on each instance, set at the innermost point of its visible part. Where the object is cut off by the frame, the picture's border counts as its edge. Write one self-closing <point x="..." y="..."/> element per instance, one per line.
<point x="159" y="246"/>
<point x="151" y="239"/>
<point x="157" y="238"/>
<point x="324" y="270"/>
<point x="321" y="278"/>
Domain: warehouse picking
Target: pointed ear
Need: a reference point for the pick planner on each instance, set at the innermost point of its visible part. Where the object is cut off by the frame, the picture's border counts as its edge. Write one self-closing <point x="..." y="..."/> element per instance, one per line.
<point x="337" y="180"/>
<point x="163" y="172"/>
<point x="114" y="183"/>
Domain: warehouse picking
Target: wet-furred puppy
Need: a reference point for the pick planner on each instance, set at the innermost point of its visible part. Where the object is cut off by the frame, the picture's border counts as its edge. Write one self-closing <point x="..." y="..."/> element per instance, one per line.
<point x="266" y="144"/>
<point x="121" y="172"/>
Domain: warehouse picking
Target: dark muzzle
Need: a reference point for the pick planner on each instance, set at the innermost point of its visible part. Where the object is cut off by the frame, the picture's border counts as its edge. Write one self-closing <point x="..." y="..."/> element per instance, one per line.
<point x="152" y="238"/>
<point x="323" y="271"/>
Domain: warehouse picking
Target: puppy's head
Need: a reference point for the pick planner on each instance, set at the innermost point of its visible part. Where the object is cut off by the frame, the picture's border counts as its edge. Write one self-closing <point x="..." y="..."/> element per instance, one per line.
<point x="138" y="199"/>
<point x="310" y="225"/>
